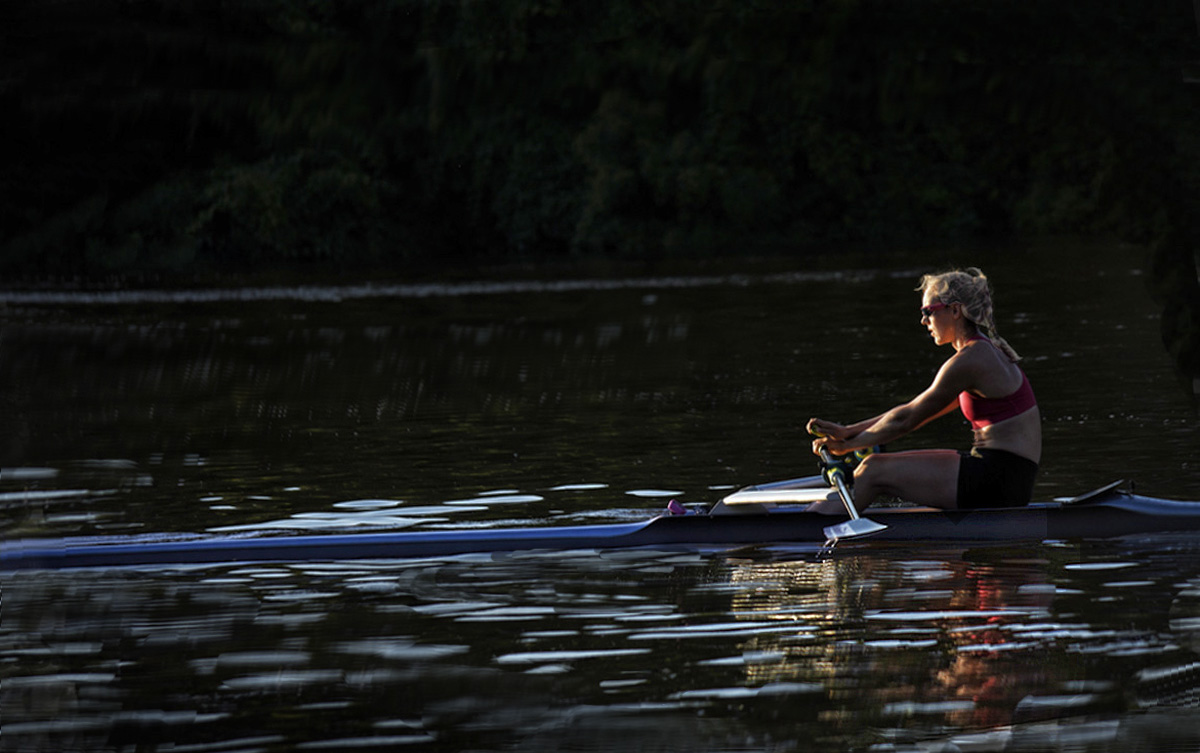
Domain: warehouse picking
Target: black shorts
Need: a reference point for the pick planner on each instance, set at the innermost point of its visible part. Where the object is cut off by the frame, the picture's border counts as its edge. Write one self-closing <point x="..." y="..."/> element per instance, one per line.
<point x="994" y="478"/>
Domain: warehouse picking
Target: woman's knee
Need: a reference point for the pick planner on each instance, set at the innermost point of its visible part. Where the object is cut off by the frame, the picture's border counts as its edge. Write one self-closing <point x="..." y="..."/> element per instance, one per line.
<point x="926" y="477"/>
<point x="887" y="474"/>
<point x="870" y="469"/>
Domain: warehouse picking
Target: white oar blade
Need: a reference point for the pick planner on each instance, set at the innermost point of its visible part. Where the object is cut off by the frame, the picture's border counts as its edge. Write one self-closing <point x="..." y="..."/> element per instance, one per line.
<point x="852" y="529"/>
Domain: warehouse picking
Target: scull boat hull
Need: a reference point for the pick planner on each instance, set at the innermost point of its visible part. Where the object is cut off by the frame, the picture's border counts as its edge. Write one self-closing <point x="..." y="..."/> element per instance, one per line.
<point x="1116" y="514"/>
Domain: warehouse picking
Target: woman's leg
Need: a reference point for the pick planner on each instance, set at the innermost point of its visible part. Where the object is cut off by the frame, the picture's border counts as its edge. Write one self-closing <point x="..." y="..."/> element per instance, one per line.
<point x="925" y="477"/>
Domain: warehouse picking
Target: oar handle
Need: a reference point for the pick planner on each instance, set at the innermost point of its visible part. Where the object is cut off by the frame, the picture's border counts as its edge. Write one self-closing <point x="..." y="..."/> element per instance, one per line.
<point x="856" y="526"/>
<point x="837" y="475"/>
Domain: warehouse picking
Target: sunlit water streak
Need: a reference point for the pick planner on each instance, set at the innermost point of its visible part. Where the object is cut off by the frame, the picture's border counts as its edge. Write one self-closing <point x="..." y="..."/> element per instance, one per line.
<point x="344" y="293"/>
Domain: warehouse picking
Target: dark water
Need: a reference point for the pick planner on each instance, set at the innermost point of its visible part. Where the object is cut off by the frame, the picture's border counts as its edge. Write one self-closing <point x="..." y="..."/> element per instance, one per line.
<point x="338" y="408"/>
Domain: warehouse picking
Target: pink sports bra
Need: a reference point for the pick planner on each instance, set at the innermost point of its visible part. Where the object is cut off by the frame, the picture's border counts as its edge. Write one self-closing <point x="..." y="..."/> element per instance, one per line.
<point x="985" y="411"/>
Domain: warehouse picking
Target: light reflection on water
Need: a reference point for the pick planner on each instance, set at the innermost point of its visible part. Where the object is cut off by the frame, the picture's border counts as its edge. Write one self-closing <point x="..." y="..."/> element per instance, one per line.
<point x="543" y="652"/>
<point x="472" y="409"/>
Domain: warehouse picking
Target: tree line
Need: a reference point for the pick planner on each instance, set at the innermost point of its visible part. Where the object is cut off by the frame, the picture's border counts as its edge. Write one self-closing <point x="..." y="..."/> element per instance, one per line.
<point x="163" y="136"/>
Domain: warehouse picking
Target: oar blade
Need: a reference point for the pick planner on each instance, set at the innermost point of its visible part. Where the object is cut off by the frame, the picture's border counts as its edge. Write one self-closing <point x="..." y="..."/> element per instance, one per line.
<point x="853" y="529"/>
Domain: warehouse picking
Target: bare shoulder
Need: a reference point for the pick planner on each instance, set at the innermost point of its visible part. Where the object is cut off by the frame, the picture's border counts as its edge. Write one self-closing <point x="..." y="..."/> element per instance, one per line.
<point x="973" y="368"/>
<point x="971" y="359"/>
<point x="960" y="372"/>
<point x="985" y="370"/>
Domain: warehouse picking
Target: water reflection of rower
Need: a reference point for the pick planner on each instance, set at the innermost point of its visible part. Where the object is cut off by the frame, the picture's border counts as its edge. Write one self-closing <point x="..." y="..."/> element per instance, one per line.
<point x="899" y="637"/>
<point x="988" y="667"/>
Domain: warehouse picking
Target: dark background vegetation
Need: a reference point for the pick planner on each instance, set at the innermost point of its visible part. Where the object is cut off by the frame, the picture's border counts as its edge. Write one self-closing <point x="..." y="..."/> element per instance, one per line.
<point x="184" y="136"/>
<point x="166" y="134"/>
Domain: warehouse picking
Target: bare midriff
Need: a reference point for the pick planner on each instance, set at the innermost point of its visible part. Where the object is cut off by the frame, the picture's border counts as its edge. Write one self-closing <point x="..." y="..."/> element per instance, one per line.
<point x="1020" y="435"/>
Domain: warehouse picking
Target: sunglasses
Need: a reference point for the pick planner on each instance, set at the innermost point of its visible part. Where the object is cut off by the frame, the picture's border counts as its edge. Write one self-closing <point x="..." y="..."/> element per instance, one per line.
<point x="928" y="311"/>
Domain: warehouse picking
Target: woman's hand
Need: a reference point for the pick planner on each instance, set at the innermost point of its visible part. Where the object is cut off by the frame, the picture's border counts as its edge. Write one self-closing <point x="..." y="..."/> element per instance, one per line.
<point x="828" y="434"/>
<point x="821" y="428"/>
<point x="835" y="446"/>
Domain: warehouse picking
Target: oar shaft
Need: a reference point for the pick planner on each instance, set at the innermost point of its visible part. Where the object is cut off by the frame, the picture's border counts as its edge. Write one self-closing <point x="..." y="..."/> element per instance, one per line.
<point x="837" y="475"/>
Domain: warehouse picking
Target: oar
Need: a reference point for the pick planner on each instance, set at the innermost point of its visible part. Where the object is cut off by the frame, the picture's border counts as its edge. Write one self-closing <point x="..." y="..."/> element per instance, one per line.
<point x="856" y="526"/>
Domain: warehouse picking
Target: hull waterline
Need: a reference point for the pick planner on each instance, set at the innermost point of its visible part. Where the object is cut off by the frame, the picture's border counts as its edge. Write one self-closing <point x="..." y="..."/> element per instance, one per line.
<point x="1116" y="515"/>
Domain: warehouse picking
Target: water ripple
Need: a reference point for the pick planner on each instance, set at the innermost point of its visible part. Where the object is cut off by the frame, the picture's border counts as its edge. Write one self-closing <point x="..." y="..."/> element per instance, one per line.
<point x="541" y="657"/>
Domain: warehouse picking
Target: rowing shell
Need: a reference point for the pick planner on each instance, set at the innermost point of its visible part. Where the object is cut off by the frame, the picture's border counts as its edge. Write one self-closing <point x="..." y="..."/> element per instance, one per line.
<point x="1105" y="513"/>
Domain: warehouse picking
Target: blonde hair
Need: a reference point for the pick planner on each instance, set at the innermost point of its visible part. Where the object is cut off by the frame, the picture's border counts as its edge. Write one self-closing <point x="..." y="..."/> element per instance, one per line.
<point x="970" y="289"/>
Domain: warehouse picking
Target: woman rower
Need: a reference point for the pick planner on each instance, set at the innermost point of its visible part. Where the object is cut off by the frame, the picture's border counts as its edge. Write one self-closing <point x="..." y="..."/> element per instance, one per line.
<point x="983" y="380"/>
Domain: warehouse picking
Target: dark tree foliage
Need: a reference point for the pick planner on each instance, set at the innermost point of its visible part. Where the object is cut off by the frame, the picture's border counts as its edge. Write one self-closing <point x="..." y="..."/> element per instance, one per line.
<point x="176" y="135"/>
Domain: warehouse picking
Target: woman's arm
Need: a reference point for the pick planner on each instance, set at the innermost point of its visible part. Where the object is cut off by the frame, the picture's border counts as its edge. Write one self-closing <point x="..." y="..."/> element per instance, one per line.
<point x="822" y="428"/>
<point x="940" y="398"/>
<point x="894" y="424"/>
